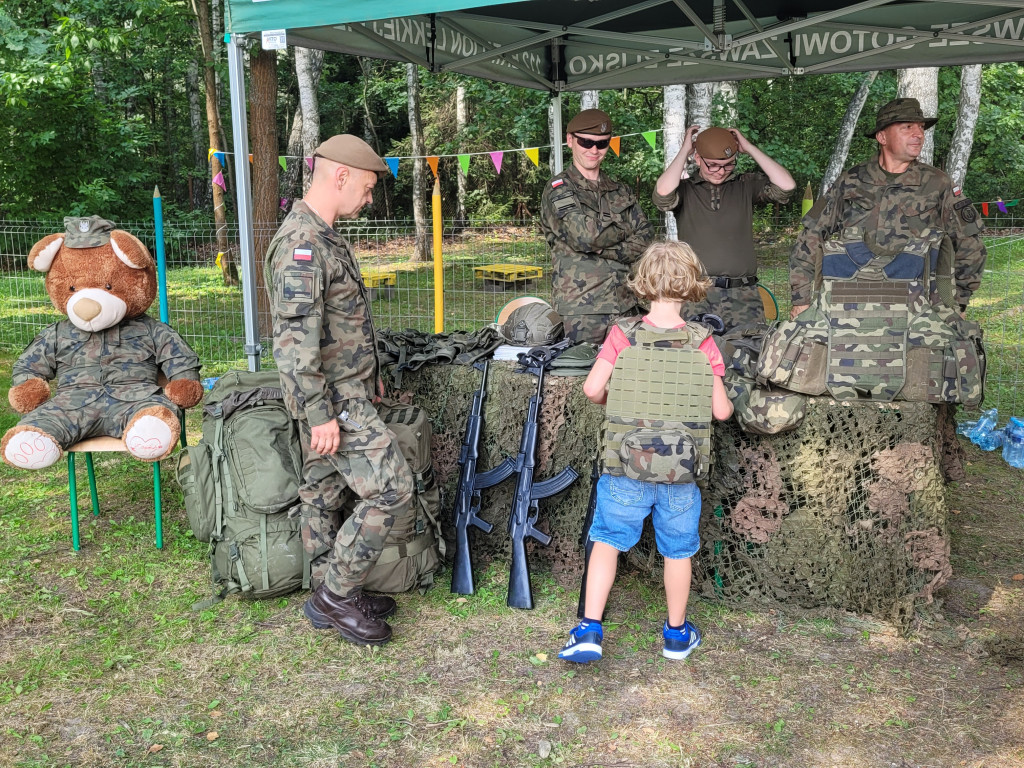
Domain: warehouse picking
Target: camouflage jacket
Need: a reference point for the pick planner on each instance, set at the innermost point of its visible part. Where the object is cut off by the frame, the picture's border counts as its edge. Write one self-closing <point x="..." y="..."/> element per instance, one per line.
<point x="123" y="362"/>
<point x="324" y="343"/>
<point x="595" y="232"/>
<point x="892" y="210"/>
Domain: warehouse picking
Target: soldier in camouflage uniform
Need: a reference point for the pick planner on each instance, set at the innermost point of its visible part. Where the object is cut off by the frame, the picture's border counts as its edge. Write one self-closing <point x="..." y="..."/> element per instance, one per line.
<point x="715" y="215"/>
<point x="894" y="201"/>
<point x="325" y="349"/>
<point x="595" y="230"/>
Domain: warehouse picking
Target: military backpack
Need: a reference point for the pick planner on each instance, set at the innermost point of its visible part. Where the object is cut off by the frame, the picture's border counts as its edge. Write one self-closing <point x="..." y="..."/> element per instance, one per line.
<point x="241" y="481"/>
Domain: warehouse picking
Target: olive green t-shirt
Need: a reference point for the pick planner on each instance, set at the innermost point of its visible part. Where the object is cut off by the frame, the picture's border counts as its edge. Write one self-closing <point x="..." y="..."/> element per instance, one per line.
<point x="718" y="220"/>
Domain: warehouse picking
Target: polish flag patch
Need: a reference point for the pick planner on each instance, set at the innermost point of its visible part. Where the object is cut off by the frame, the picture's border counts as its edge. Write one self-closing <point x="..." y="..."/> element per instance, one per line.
<point x="557" y="183"/>
<point x="302" y="254"/>
<point x="957" y="191"/>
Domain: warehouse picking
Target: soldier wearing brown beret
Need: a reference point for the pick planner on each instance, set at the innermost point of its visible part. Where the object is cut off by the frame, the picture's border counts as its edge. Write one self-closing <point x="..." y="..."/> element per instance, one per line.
<point x="714" y="214"/>
<point x="595" y="230"/>
<point x="326" y="354"/>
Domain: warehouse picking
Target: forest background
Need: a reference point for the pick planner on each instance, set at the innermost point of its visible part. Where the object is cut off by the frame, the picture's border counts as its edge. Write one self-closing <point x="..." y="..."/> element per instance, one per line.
<point x="104" y="99"/>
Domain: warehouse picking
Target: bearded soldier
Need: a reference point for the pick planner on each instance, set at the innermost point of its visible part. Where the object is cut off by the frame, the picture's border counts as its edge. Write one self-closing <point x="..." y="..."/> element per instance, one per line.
<point x="326" y="353"/>
<point x="595" y="230"/>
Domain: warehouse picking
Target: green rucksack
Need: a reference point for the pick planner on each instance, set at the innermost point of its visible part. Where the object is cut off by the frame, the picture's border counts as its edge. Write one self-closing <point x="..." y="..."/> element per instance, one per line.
<point x="241" y="481"/>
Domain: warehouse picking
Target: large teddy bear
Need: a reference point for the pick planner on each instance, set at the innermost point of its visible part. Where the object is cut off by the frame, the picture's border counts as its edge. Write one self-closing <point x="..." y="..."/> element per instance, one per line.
<point x="106" y="357"/>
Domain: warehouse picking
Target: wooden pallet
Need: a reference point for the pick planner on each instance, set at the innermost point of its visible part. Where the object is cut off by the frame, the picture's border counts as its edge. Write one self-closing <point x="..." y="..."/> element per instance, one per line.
<point x="500" y="276"/>
<point x="379" y="281"/>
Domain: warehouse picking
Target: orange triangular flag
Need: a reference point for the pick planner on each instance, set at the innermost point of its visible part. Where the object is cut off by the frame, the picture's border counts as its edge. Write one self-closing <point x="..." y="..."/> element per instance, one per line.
<point x="614" y="144"/>
<point x="432" y="162"/>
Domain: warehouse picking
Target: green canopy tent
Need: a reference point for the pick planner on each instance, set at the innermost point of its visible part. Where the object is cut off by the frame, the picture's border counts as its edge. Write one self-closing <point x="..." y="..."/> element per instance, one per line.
<point x="574" y="45"/>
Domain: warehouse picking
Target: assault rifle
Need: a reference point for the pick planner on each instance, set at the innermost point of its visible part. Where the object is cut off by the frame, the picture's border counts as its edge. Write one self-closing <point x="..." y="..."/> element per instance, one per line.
<point x="467" y="498"/>
<point x="522" y="519"/>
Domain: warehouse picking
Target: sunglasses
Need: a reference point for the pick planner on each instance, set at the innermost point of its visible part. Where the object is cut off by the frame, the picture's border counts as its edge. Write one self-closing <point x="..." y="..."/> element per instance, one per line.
<point x="591" y="143"/>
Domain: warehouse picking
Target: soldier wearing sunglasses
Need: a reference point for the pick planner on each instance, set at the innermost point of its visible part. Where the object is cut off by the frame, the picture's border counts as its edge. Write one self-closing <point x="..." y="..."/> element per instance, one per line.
<point x="595" y="230"/>
<point x="714" y="214"/>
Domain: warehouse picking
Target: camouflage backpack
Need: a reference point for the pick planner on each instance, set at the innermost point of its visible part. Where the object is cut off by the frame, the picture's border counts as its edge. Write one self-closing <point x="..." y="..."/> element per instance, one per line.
<point x="241" y="481"/>
<point x="761" y="409"/>
<point x="658" y="415"/>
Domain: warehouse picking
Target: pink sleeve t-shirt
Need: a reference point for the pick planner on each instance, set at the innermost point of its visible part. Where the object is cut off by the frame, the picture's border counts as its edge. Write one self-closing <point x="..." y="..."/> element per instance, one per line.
<point x="616" y="341"/>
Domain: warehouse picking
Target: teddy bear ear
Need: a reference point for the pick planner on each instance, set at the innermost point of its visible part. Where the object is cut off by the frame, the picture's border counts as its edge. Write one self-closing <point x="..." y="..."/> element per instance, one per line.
<point x="41" y="256"/>
<point x="130" y="249"/>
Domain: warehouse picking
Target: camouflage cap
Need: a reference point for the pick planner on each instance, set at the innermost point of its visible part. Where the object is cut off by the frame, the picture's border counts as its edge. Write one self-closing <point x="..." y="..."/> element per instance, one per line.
<point x="900" y="111"/>
<point x="86" y="231"/>
<point x="716" y="144"/>
<point x="529" y="322"/>
<point x="596" y="122"/>
<point x="351" y="151"/>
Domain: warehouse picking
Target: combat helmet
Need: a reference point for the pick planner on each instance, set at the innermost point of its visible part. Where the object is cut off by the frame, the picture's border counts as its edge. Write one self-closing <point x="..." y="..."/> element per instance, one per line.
<point x="529" y="322"/>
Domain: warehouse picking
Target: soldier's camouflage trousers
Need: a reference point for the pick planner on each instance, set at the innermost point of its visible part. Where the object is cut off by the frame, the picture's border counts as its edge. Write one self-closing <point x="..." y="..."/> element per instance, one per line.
<point x="593" y="328"/>
<point x="370" y="464"/>
<point x="737" y="306"/>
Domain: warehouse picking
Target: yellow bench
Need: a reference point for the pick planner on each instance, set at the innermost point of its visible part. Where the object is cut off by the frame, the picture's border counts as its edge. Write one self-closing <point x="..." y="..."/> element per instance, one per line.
<point x="500" y="276"/>
<point x="376" y="280"/>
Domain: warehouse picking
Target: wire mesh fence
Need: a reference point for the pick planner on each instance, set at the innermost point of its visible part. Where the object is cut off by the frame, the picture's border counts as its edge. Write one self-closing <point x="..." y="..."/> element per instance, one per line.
<point x="486" y="263"/>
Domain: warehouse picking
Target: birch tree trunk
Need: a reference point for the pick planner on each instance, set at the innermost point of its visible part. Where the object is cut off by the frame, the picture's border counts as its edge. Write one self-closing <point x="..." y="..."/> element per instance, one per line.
<point x="419" y="178"/>
<point x="699" y="96"/>
<point x="198" y="189"/>
<point x="846" y="131"/>
<point x="553" y="140"/>
<point x="229" y="271"/>
<point x="263" y="138"/>
<point x="674" y="126"/>
<point x="921" y="83"/>
<point x="461" y="121"/>
<point x="589" y="99"/>
<point x="296" y="160"/>
<point x="966" y="119"/>
<point x="729" y="92"/>
<point x="308" y="65"/>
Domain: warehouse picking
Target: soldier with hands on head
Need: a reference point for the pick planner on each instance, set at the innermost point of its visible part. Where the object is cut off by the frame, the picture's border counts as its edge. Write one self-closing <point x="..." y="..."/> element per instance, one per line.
<point x="714" y="214"/>
<point x="595" y="230"/>
<point x="892" y="203"/>
<point x="326" y="352"/>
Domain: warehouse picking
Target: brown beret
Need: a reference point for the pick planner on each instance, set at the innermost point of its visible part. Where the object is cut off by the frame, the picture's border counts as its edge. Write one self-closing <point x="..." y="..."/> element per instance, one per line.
<point x="592" y="121"/>
<point x="716" y="144"/>
<point x="351" y="151"/>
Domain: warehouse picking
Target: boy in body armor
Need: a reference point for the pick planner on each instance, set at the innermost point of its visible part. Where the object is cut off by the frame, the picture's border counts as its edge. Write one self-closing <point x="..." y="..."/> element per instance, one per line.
<point x="657" y="441"/>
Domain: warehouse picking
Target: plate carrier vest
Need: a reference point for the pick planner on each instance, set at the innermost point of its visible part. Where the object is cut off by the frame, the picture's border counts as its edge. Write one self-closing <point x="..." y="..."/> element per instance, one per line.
<point x="658" y="415"/>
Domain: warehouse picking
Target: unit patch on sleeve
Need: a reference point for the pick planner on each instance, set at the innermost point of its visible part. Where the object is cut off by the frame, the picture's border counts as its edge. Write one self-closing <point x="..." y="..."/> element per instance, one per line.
<point x="967" y="212"/>
<point x="302" y="254"/>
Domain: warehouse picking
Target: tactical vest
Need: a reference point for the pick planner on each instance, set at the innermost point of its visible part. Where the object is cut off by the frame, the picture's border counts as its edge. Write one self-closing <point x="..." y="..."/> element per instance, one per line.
<point x="658" y="415"/>
<point x="880" y="328"/>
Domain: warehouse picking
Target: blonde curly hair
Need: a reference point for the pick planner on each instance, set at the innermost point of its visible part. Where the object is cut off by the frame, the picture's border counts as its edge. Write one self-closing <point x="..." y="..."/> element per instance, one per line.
<point x="669" y="270"/>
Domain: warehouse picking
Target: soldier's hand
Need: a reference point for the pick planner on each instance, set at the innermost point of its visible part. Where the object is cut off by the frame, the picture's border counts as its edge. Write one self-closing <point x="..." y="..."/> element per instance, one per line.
<point x="325" y="438"/>
<point x="797" y="310"/>
<point x="689" y="136"/>
<point x="741" y="140"/>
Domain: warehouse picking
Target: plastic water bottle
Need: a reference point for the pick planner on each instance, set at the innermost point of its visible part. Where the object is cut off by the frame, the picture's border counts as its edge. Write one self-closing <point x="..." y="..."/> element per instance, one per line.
<point x="985" y="435"/>
<point x="964" y="427"/>
<point x="1013" y="443"/>
<point x="209" y="382"/>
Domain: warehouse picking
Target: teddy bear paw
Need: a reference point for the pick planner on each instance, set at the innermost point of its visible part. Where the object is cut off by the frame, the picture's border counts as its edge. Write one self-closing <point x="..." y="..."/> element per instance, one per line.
<point x="149" y="438"/>
<point x="31" y="450"/>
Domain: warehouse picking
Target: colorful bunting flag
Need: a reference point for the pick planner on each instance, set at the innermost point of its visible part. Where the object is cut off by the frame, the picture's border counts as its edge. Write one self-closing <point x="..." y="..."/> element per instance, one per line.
<point x="393" y="165"/>
<point x="1001" y="206"/>
<point x="1011" y="203"/>
<point x="209" y="154"/>
<point x="651" y="138"/>
<point x="309" y="162"/>
<point x="432" y="162"/>
<point x="219" y="181"/>
<point x="250" y="157"/>
<point x="616" y="144"/>
<point x="534" y="154"/>
<point x="222" y="158"/>
<point x="808" y="202"/>
<point x="282" y="163"/>
<point x="984" y="209"/>
<point x="464" y="164"/>
<point x="284" y="203"/>
<point x="496" y="158"/>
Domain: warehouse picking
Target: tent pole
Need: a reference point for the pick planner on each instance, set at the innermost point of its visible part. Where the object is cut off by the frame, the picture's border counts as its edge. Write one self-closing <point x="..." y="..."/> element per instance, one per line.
<point x="243" y="198"/>
<point x="555" y="110"/>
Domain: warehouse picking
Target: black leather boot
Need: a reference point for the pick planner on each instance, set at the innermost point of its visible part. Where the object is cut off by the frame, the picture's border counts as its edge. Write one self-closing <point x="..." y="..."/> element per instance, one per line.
<point x="381" y="606"/>
<point x="352" y="616"/>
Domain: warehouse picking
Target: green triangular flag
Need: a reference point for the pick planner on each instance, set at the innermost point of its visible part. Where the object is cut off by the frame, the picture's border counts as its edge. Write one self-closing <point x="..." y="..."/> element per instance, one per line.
<point x="464" y="164"/>
<point x="281" y="162"/>
<point x="651" y="139"/>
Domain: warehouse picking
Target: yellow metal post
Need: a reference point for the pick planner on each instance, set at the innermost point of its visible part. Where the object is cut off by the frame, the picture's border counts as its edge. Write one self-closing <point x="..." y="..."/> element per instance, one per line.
<point x="438" y="266"/>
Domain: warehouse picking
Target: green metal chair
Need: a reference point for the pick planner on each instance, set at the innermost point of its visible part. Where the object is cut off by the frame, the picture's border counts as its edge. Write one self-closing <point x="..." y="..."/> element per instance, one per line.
<point x="768" y="301"/>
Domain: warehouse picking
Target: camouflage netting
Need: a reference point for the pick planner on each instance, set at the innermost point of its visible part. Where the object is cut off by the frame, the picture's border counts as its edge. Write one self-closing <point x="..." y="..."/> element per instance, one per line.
<point x="847" y="510"/>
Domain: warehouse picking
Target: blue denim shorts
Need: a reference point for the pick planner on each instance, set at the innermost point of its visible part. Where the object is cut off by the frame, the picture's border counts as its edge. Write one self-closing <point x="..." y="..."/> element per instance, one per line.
<point x="623" y="504"/>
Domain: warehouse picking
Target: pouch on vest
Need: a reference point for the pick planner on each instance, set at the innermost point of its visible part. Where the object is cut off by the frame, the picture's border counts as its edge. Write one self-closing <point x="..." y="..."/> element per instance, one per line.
<point x="658" y="414"/>
<point x="794" y="354"/>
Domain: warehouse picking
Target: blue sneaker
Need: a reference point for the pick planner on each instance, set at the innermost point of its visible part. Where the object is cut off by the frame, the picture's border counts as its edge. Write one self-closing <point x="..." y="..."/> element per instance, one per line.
<point x="584" y="644"/>
<point x="680" y="643"/>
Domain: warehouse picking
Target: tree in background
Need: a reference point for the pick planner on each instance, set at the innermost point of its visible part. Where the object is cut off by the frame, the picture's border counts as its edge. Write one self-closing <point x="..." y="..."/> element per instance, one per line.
<point x="673" y="128"/>
<point x="921" y="83"/>
<point x="264" y="168"/>
<point x="848" y="126"/>
<point x="419" y="182"/>
<point x="967" y="118"/>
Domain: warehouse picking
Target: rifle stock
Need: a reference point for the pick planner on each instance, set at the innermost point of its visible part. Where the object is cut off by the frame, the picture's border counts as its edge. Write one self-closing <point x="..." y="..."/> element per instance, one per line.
<point x="466" y="512"/>
<point x="522" y="519"/>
